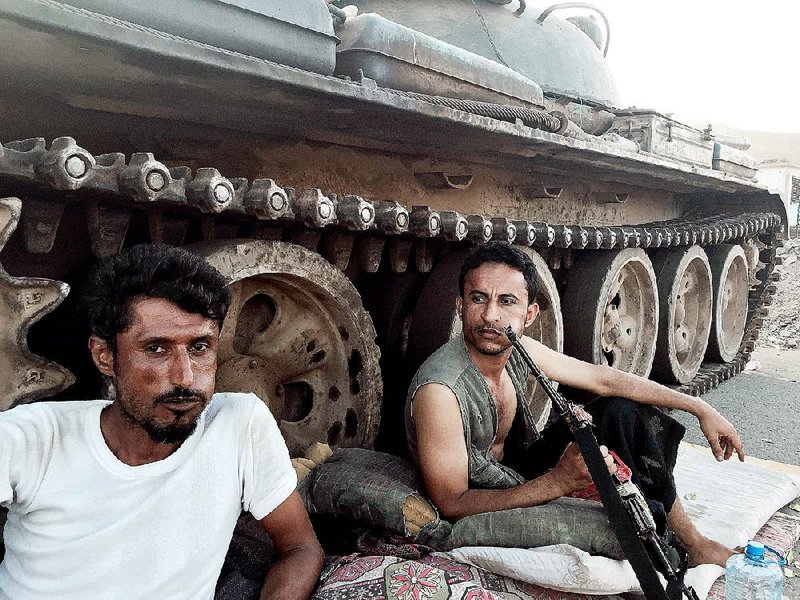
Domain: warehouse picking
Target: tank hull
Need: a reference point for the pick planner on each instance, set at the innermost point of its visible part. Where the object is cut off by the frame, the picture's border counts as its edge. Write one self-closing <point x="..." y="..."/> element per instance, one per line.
<point x="381" y="185"/>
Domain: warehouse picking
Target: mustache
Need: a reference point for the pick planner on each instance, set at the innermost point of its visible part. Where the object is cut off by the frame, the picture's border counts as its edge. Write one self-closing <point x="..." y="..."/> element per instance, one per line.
<point x="179" y="394"/>
<point x="482" y="328"/>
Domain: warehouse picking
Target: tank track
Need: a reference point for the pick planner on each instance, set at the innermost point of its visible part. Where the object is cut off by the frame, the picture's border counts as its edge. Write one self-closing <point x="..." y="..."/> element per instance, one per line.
<point x="759" y="300"/>
<point x="340" y="229"/>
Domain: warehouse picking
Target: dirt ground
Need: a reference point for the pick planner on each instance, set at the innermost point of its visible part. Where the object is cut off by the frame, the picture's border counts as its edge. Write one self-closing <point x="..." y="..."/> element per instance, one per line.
<point x="782" y="326"/>
<point x="778" y="351"/>
<point x="776" y="362"/>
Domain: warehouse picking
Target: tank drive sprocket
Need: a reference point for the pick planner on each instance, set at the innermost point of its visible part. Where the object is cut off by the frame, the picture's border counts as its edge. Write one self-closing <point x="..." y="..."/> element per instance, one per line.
<point x="25" y="377"/>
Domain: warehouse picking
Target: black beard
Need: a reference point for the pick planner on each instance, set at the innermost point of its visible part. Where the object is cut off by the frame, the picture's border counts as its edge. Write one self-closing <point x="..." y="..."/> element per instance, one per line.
<point x="160" y="433"/>
<point x="168" y="434"/>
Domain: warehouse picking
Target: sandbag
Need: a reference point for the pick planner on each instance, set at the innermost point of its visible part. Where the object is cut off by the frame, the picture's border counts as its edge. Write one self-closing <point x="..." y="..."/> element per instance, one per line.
<point x="574" y="521"/>
<point x="377" y="490"/>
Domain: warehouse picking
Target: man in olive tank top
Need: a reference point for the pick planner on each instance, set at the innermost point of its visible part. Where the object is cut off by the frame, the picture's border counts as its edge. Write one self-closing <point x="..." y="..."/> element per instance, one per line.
<point x="471" y="433"/>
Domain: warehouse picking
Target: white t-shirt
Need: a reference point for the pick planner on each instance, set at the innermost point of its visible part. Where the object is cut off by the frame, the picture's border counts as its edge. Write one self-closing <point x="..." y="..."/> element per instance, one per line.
<point x="83" y="525"/>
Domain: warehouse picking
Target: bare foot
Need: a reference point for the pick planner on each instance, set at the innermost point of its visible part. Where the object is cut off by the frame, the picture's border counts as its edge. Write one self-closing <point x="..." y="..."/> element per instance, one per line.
<point x="702" y="551"/>
<point x="708" y="552"/>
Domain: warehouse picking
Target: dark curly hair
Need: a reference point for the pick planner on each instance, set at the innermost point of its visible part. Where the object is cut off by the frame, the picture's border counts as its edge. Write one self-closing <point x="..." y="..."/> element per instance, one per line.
<point x="154" y="271"/>
<point x="504" y="254"/>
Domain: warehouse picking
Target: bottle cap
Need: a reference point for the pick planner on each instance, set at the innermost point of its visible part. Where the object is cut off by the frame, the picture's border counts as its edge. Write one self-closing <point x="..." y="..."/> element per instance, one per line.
<point x="755" y="550"/>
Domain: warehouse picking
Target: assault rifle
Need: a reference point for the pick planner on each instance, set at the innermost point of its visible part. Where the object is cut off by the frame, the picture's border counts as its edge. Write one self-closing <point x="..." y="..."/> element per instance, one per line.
<point x="630" y="516"/>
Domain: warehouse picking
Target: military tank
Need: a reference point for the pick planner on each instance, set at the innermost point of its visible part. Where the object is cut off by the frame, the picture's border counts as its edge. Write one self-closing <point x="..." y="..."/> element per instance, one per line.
<point x="335" y="163"/>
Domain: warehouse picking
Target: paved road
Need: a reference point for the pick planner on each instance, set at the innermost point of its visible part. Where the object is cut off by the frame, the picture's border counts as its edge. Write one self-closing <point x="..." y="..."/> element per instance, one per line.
<point x="764" y="406"/>
<point x="764" y="409"/>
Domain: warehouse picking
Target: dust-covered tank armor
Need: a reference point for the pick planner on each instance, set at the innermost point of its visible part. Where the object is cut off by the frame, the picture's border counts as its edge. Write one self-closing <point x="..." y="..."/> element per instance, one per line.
<point x="339" y="188"/>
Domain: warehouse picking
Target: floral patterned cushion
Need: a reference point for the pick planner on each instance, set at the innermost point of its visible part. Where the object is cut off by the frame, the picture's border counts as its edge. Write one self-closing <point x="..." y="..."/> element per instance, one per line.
<point x="430" y="577"/>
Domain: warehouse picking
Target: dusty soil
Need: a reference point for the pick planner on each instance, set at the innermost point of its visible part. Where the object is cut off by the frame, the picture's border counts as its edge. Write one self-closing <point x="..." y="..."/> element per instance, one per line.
<point x="782" y="326"/>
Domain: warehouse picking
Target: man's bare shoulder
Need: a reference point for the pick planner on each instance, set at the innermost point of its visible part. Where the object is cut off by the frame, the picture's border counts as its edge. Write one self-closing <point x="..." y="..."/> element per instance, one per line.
<point x="540" y="353"/>
<point x="437" y="416"/>
<point x="435" y="406"/>
<point x="434" y="393"/>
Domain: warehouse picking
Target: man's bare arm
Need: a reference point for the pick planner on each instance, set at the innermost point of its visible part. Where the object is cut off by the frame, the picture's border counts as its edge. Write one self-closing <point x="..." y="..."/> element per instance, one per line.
<point x="294" y="575"/>
<point x="605" y="381"/>
<point x="444" y="465"/>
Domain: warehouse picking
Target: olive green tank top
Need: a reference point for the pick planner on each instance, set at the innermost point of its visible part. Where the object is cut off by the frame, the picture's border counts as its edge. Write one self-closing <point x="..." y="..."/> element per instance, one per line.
<point x="451" y="365"/>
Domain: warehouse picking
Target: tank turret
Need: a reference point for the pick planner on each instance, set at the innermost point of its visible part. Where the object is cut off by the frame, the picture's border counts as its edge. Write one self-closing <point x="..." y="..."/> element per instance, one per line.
<point x="537" y="43"/>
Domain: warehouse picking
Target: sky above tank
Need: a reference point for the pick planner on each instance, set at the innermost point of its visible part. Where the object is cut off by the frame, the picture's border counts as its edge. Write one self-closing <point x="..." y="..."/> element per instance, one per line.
<point x="726" y="62"/>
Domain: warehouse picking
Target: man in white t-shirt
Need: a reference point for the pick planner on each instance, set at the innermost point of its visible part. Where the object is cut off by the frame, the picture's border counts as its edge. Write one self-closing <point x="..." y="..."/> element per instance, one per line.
<point x="138" y="498"/>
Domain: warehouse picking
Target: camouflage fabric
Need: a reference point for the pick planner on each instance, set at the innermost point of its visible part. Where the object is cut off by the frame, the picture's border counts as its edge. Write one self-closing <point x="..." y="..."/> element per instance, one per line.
<point x="368" y="489"/>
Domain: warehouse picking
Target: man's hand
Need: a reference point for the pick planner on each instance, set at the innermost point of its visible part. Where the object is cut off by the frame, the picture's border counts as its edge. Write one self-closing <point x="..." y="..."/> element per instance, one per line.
<point x="571" y="473"/>
<point x="606" y="381"/>
<point x="720" y="434"/>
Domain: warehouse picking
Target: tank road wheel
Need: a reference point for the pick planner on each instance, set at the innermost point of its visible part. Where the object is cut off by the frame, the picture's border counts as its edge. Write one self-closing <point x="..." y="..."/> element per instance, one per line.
<point x="731" y="284"/>
<point x="25" y="377"/>
<point x="684" y="291"/>
<point x="435" y="320"/>
<point x="611" y="310"/>
<point x="297" y="335"/>
<point x="548" y="328"/>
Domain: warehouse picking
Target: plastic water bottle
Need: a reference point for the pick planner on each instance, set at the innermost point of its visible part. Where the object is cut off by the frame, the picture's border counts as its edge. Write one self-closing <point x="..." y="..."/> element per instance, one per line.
<point x="751" y="576"/>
